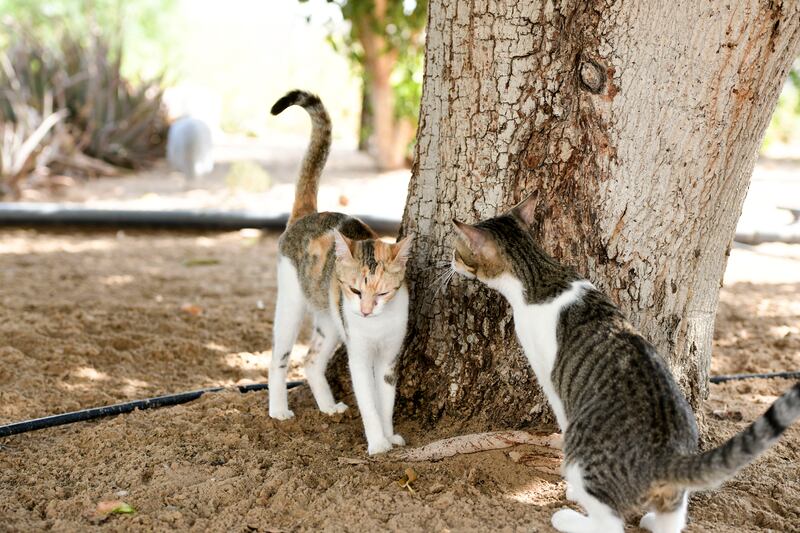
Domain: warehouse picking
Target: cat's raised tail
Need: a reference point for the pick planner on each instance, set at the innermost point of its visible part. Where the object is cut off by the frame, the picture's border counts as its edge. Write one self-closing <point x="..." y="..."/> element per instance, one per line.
<point x="305" y="198"/>
<point x="709" y="469"/>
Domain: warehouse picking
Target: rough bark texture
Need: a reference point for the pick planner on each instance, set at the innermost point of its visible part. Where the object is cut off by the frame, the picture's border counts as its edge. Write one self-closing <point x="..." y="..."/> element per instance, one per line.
<point x="638" y="125"/>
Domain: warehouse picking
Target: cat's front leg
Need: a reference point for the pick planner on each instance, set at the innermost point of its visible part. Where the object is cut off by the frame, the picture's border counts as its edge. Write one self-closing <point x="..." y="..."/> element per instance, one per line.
<point x="361" y="371"/>
<point x="386" y="377"/>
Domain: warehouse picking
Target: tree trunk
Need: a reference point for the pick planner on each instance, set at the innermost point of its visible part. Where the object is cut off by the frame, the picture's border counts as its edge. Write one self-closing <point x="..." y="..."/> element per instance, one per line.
<point x="365" y="119"/>
<point x="379" y="61"/>
<point x="638" y="125"/>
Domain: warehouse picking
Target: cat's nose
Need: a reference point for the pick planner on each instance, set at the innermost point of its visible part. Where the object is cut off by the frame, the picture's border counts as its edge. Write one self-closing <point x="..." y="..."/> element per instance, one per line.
<point x="366" y="307"/>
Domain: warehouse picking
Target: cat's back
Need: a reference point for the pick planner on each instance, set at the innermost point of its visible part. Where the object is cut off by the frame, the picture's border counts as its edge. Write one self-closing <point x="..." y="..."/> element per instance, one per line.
<point x="308" y="243"/>
<point x="312" y="234"/>
<point x="612" y="379"/>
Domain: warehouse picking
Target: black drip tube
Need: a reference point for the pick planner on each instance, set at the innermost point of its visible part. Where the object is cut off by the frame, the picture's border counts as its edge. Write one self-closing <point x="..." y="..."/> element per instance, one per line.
<point x="184" y="397"/>
<point x="48" y="214"/>
<point x="769" y="375"/>
<point x="127" y="407"/>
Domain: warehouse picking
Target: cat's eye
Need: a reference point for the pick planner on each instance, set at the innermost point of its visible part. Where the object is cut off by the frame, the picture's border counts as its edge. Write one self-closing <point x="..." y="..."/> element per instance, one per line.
<point x="383" y="294"/>
<point x="356" y="292"/>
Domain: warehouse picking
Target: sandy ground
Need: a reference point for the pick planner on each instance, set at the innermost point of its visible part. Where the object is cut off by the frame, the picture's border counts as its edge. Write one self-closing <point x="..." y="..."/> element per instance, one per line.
<point x="95" y="317"/>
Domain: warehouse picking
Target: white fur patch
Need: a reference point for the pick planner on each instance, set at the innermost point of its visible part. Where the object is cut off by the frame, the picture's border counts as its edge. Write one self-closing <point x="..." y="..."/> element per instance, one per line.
<point x="599" y="518"/>
<point x="535" y="325"/>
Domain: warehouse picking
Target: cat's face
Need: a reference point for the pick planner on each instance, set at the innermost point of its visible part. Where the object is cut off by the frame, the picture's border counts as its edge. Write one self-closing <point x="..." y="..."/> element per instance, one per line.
<point x="479" y="250"/>
<point x="476" y="254"/>
<point x="370" y="272"/>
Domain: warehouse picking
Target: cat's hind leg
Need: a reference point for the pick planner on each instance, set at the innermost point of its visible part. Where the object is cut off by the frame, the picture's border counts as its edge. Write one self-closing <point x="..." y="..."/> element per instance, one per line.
<point x="600" y="518"/>
<point x="324" y="342"/>
<point x="668" y="520"/>
<point x="289" y="310"/>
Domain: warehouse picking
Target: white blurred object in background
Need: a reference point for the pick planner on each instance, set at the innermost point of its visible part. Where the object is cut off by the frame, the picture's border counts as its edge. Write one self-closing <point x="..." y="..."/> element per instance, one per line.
<point x="189" y="147"/>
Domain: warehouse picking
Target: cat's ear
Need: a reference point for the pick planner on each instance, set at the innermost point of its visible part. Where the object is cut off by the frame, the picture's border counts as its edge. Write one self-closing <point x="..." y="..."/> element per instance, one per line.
<point x="526" y="209"/>
<point x="343" y="245"/>
<point x="402" y="250"/>
<point x="475" y="237"/>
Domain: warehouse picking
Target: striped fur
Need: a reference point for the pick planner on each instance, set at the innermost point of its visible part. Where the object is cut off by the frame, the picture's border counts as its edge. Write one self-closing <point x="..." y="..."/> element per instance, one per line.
<point x="630" y="437"/>
<point x="305" y="200"/>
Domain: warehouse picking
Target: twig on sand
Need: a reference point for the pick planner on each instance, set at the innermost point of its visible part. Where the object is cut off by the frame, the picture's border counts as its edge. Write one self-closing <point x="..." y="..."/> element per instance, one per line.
<point x="476" y="442"/>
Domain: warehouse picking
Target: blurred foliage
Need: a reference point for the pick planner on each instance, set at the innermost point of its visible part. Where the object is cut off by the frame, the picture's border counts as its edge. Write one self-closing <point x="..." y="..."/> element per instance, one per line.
<point x="142" y="27"/>
<point x="107" y="119"/>
<point x="784" y="127"/>
<point x="404" y="33"/>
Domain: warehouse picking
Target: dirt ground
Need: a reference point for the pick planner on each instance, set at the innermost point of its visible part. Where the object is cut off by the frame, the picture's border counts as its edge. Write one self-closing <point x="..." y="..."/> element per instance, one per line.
<point x="91" y="318"/>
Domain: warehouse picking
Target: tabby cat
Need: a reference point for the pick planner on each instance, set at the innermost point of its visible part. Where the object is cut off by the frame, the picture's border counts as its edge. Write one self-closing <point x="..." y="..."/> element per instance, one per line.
<point x="630" y="438"/>
<point x="334" y="266"/>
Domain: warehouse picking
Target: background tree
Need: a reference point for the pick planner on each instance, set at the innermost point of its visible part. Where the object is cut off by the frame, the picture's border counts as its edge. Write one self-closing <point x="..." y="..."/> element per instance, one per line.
<point x="384" y="41"/>
<point x="636" y="124"/>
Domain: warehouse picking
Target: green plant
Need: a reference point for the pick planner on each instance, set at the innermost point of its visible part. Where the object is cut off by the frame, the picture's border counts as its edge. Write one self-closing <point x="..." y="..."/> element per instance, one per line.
<point x="784" y="126"/>
<point x="385" y="31"/>
<point x="119" y="122"/>
<point x="72" y="104"/>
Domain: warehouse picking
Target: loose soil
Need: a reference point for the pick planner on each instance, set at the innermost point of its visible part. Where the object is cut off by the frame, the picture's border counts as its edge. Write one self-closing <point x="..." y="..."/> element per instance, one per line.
<point x="91" y="318"/>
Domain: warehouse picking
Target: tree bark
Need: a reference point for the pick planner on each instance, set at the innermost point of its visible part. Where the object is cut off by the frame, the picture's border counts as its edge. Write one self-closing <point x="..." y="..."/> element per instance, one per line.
<point x="379" y="61"/>
<point x="365" y="118"/>
<point x="636" y="122"/>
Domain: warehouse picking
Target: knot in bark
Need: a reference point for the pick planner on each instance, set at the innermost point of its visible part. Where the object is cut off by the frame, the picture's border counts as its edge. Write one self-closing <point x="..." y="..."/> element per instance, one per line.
<point x="592" y="75"/>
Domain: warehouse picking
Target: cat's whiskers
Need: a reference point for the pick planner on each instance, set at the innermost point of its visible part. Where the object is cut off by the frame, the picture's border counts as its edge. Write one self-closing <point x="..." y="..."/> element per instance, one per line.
<point x="436" y="265"/>
<point x="443" y="281"/>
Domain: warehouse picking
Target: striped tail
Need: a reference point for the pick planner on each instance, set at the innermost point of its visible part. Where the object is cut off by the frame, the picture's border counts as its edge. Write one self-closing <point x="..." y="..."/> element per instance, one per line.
<point x="305" y="198"/>
<point x="709" y="469"/>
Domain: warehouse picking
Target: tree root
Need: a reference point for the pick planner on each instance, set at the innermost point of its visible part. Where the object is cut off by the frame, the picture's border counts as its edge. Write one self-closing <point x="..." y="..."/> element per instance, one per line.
<point x="476" y="442"/>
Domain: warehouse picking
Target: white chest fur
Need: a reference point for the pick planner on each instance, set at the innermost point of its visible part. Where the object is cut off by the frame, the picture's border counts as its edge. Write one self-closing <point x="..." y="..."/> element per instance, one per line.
<point x="388" y="327"/>
<point x="536" y="325"/>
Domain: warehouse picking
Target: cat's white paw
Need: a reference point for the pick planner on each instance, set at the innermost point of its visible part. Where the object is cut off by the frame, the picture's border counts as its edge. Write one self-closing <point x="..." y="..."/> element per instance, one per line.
<point x="397" y="440"/>
<point x="569" y="521"/>
<point x="379" y="446"/>
<point x="336" y="409"/>
<point x="281" y="414"/>
<point x="648" y="522"/>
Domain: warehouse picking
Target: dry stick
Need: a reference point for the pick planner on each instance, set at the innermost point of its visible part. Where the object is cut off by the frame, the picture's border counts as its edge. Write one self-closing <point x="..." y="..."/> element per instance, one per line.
<point x="476" y="442"/>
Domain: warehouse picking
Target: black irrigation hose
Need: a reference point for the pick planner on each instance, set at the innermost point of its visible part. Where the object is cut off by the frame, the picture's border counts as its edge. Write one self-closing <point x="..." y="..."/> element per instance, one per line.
<point x="184" y="397"/>
<point x="737" y="377"/>
<point x="127" y="407"/>
<point x="35" y="214"/>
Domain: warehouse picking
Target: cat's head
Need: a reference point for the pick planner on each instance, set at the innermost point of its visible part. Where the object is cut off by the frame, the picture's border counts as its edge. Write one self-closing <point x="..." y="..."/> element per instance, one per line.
<point x="492" y="250"/>
<point x="370" y="272"/>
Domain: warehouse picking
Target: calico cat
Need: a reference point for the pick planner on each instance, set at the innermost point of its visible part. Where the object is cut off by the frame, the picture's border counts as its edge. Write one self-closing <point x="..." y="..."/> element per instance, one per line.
<point x="630" y="438"/>
<point x="334" y="266"/>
